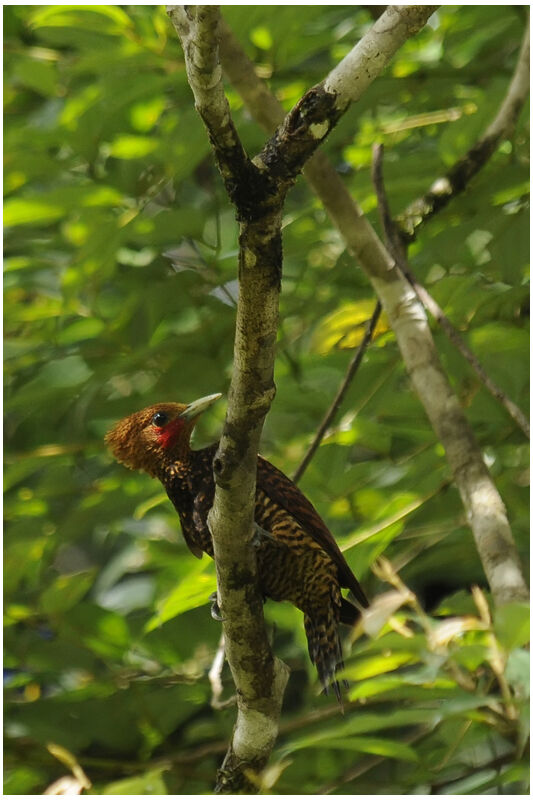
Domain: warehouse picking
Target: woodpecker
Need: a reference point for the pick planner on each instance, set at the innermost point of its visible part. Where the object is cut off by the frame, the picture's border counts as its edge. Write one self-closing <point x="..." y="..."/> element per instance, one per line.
<point x="298" y="559"/>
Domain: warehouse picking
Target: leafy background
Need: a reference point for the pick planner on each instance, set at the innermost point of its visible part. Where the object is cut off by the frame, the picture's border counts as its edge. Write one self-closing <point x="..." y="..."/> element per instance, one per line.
<point x="120" y="291"/>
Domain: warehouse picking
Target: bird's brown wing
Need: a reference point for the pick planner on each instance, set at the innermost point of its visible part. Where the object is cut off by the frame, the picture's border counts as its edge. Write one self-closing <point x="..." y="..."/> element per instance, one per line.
<point x="286" y="494"/>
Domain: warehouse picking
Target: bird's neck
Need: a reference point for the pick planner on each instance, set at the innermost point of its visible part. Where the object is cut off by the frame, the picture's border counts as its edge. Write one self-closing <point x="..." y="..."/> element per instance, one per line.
<point x="177" y="454"/>
<point x="187" y="466"/>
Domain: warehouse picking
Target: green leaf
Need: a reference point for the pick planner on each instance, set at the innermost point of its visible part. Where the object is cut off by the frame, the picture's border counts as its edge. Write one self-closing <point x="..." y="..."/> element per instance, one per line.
<point x="511" y="625"/>
<point x="81" y="329"/>
<point x="66" y="591"/>
<point x="374" y="686"/>
<point x="377" y="665"/>
<point x="375" y="746"/>
<point x="128" y="595"/>
<point x="45" y="208"/>
<point x="145" y="114"/>
<point x="262" y="38"/>
<point x="363" y="723"/>
<point x="24" y="780"/>
<point x="129" y="147"/>
<point x="63" y="374"/>
<point x="497" y="337"/>
<point x="345" y="327"/>
<point x="104" y="632"/>
<point x="104" y="19"/>
<point x="18" y="211"/>
<point x="517" y="672"/>
<point x="38" y="75"/>
<point x="191" y="592"/>
<point x="148" y="783"/>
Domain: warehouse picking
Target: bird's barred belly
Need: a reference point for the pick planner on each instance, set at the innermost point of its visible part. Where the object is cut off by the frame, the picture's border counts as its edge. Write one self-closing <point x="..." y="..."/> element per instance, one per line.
<point x="293" y="567"/>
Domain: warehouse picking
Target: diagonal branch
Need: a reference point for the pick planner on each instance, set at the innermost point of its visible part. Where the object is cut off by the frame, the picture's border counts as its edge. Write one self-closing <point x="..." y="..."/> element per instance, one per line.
<point x="484" y="506"/>
<point x="196" y="27"/>
<point x="445" y="188"/>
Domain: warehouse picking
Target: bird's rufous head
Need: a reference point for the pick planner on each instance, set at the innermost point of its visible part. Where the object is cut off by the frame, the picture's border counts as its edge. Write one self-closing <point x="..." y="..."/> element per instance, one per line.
<point x="157" y="435"/>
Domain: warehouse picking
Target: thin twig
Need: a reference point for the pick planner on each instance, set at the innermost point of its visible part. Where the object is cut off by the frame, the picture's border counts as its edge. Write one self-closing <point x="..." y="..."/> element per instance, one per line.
<point x="455" y="181"/>
<point x="341" y="392"/>
<point x="215" y="679"/>
<point x="397" y="249"/>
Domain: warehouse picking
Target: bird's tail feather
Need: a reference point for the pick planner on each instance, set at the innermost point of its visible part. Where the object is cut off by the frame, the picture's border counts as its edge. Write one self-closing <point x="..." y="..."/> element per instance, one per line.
<point x="325" y="648"/>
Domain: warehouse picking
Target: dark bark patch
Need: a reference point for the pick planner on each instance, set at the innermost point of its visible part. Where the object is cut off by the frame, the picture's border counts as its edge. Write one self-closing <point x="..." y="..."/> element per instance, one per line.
<point x="293" y="143"/>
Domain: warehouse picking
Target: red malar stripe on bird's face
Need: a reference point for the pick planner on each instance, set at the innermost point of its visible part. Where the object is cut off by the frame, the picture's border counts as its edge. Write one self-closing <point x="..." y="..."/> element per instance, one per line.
<point x="170" y="433"/>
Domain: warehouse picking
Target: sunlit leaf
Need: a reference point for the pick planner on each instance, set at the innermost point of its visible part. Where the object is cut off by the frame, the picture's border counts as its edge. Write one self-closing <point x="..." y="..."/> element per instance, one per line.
<point x="132" y="146"/>
<point x="262" y="38"/>
<point x="368" y="744"/>
<point x="192" y="591"/>
<point x="145" y="114"/>
<point x="18" y="211"/>
<point x="377" y="665"/>
<point x="345" y="328"/>
<point x="107" y="19"/>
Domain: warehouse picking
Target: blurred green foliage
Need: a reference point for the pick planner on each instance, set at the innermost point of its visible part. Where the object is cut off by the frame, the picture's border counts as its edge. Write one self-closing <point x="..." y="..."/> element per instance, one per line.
<point x="120" y="291"/>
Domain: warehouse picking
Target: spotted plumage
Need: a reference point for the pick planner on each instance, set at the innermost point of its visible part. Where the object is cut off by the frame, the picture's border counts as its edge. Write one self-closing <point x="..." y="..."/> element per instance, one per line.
<point x="298" y="558"/>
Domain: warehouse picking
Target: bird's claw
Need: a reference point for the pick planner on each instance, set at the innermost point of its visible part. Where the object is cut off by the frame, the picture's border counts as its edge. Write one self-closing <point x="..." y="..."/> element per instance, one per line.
<point x="259" y="535"/>
<point x="215" y="608"/>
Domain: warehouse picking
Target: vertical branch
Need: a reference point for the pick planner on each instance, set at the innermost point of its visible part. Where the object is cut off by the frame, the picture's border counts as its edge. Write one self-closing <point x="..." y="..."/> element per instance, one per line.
<point x="259" y="678"/>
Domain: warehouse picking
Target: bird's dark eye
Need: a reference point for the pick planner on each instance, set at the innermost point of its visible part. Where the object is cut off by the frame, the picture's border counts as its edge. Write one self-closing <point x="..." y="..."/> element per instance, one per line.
<point x="159" y="419"/>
